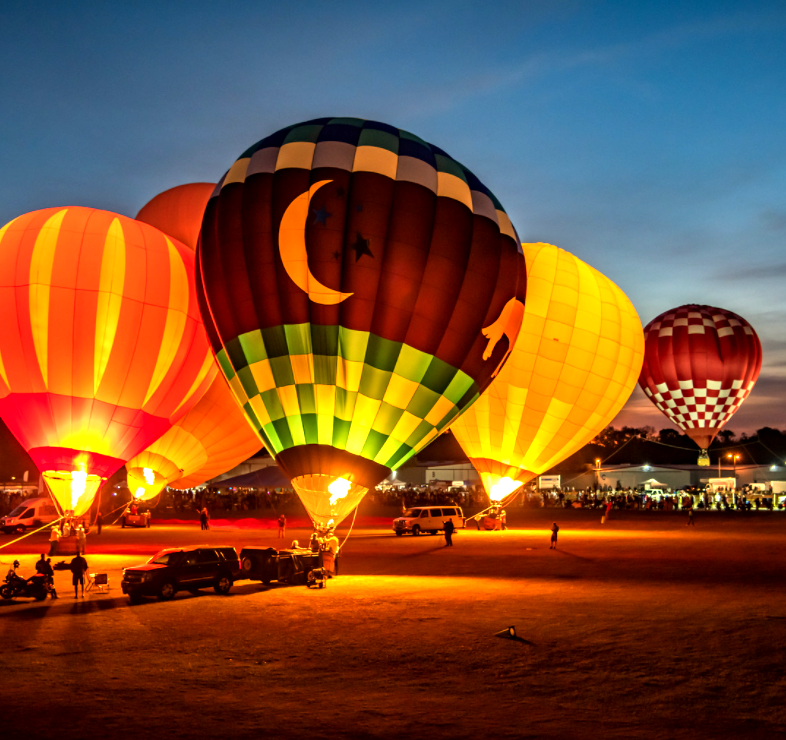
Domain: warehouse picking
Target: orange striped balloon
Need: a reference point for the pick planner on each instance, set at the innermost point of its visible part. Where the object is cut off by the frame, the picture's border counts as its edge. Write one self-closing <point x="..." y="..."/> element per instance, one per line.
<point x="102" y="347"/>
<point x="212" y="438"/>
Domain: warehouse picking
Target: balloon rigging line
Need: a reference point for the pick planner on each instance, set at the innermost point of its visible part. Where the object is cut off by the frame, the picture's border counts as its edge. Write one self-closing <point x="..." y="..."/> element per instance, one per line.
<point x="50" y="524"/>
<point x="350" y="529"/>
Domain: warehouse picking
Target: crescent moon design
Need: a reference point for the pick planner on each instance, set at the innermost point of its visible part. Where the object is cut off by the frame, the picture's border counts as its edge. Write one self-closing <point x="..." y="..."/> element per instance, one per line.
<point x="292" y="248"/>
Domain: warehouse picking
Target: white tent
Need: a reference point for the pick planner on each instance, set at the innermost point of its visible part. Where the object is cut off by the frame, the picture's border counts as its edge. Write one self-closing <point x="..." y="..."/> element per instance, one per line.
<point x="652" y="483"/>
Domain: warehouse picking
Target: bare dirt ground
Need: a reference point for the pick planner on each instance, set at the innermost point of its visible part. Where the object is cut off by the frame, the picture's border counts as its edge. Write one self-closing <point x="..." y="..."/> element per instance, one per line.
<point x="639" y="628"/>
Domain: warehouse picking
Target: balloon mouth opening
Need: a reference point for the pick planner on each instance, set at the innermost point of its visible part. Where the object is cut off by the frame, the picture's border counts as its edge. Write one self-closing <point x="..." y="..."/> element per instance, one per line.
<point x="503" y="488"/>
<point x="145" y="483"/>
<point x="328" y="497"/>
<point x="74" y="490"/>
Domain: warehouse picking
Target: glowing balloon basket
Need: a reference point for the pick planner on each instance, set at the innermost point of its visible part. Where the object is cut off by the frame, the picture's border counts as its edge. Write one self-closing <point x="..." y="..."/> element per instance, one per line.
<point x="144" y="483"/>
<point x="378" y="296"/>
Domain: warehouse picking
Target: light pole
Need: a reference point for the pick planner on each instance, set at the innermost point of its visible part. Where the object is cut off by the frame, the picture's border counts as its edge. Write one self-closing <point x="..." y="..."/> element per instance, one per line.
<point x="734" y="458"/>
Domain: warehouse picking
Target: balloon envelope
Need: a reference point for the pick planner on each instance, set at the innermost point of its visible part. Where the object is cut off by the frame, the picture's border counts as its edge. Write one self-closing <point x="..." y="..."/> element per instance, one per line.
<point x="178" y="211"/>
<point x="700" y="364"/>
<point x="102" y="346"/>
<point x="212" y="438"/>
<point x="573" y="367"/>
<point x="350" y="269"/>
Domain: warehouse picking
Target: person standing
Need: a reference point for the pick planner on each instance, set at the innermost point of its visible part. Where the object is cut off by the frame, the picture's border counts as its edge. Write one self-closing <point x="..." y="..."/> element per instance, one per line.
<point x="99" y="521"/>
<point x="282" y="526"/>
<point x="554" y="530"/>
<point x="81" y="540"/>
<point x="54" y="539"/>
<point x="691" y="520"/>
<point x="204" y="518"/>
<point x="78" y="568"/>
<point x="44" y="567"/>
<point x="450" y="528"/>
<point x="503" y="519"/>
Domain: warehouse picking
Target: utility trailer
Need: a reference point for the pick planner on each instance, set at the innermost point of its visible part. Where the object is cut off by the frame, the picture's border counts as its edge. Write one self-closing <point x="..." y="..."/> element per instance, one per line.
<point x="296" y="566"/>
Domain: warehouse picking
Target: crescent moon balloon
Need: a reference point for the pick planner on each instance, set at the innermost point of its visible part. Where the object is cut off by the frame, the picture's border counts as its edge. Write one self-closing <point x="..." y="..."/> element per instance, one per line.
<point x="292" y="247"/>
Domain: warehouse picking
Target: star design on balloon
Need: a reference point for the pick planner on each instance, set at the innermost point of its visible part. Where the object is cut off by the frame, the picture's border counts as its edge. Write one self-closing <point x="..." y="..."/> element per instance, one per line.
<point x="336" y="255"/>
<point x="361" y="247"/>
<point x="321" y="216"/>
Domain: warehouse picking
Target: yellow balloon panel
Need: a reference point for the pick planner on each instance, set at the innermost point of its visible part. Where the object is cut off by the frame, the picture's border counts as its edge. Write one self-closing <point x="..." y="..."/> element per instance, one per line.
<point x="573" y="367"/>
<point x="212" y="438"/>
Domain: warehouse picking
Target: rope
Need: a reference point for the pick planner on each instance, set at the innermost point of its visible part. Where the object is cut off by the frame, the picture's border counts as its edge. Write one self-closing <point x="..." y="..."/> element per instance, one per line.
<point x="341" y="547"/>
<point x="27" y="534"/>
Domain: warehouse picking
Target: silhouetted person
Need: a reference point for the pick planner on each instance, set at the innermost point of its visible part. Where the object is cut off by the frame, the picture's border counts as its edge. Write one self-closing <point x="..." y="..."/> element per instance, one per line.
<point x="449" y="529"/>
<point x="99" y="521"/>
<point x="44" y="567"/>
<point x="691" y="520"/>
<point x="204" y="518"/>
<point x="78" y="568"/>
<point x="282" y="526"/>
<point x="554" y="530"/>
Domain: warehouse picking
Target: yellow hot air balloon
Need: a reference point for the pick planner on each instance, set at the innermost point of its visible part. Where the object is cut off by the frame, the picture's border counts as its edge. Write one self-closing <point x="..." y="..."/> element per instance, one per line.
<point x="573" y="367"/>
<point x="209" y="440"/>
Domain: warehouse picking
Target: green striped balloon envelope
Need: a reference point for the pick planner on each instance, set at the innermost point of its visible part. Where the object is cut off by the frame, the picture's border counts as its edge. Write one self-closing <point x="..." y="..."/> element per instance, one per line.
<point x="360" y="288"/>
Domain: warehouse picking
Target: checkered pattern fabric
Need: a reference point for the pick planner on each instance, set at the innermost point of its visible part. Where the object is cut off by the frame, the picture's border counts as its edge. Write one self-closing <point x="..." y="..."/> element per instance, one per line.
<point x="328" y="385"/>
<point x="700" y="364"/>
<point x="694" y="407"/>
<point x="724" y="323"/>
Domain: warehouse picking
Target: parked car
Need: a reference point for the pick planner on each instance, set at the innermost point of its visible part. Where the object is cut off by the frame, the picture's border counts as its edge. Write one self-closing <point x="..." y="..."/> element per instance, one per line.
<point x="285" y="566"/>
<point x="429" y="519"/>
<point x="34" y="512"/>
<point x="188" y="569"/>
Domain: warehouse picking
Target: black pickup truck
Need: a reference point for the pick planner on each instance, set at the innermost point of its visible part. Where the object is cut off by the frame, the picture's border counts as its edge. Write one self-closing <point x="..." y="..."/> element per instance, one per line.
<point x="187" y="569"/>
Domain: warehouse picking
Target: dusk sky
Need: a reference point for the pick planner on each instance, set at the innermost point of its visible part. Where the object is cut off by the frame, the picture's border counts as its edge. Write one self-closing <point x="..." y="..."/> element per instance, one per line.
<point x="647" y="138"/>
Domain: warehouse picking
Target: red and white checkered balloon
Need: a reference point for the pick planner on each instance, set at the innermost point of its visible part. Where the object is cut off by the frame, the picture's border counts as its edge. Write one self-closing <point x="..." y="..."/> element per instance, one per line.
<point x="700" y="364"/>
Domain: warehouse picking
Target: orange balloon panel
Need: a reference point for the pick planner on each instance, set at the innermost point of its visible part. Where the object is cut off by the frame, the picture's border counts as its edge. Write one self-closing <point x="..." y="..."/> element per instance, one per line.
<point x="178" y="211"/>
<point x="573" y="367"/>
<point x="209" y="440"/>
<point x="102" y="347"/>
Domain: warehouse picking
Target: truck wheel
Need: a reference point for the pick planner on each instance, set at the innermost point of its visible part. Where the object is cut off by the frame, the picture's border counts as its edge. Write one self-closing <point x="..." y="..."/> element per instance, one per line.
<point x="248" y="565"/>
<point x="167" y="591"/>
<point x="223" y="584"/>
<point x="416" y="530"/>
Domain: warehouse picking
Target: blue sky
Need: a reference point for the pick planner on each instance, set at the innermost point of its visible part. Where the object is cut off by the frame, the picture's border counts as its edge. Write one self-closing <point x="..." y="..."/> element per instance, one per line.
<point x="647" y="138"/>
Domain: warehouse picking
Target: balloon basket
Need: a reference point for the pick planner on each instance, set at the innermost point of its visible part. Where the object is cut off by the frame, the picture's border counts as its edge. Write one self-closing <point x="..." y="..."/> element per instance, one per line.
<point x="704" y="459"/>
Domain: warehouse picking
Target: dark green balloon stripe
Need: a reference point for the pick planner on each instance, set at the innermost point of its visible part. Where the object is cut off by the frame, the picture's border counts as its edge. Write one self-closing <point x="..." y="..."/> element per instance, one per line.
<point x="385" y="397"/>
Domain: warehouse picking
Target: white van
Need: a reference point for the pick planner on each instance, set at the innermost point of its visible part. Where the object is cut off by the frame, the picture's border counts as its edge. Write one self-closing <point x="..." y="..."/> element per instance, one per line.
<point x="429" y="519"/>
<point x="35" y="512"/>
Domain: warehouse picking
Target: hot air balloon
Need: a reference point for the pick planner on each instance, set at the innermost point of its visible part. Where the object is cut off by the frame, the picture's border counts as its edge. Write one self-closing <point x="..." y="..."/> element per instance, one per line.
<point x="350" y="270"/>
<point x="178" y="211"/>
<point x="212" y="438"/>
<point x="102" y="346"/>
<point x="215" y="435"/>
<point x="700" y="364"/>
<point x="573" y="367"/>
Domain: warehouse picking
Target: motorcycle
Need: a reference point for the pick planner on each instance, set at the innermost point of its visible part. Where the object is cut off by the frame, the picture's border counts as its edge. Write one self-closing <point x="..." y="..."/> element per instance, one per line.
<point x="34" y="587"/>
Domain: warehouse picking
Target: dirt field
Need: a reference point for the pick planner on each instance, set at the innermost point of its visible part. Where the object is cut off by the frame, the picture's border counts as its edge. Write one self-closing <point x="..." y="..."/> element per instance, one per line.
<point x="640" y="628"/>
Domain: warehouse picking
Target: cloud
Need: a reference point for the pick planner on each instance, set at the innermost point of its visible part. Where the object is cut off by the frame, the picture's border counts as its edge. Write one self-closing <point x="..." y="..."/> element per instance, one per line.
<point x="774" y="219"/>
<point x="753" y="272"/>
<point x="541" y="64"/>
